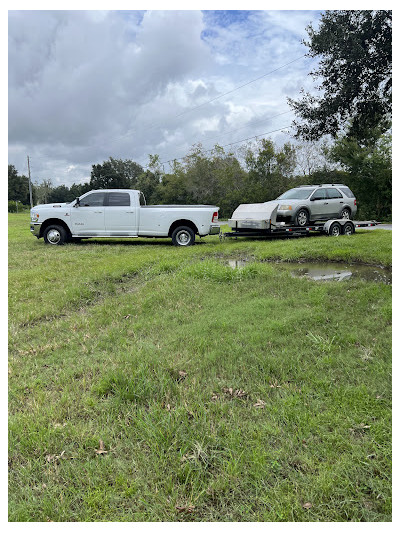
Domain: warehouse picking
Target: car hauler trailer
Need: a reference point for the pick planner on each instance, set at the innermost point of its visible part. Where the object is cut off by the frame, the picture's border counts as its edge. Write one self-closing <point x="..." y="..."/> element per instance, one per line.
<point x="259" y="220"/>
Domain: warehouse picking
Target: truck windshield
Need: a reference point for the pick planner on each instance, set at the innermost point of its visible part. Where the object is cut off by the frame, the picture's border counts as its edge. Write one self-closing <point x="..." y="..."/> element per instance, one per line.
<point x="295" y="194"/>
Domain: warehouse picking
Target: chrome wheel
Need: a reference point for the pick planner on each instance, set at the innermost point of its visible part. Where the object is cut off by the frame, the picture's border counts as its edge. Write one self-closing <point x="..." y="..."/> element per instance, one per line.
<point x="348" y="229"/>
<point x="183" y="237"/>
<point x="335" y="230"/>
<point x="53" y="236"/>
<point x="302" y="218"/>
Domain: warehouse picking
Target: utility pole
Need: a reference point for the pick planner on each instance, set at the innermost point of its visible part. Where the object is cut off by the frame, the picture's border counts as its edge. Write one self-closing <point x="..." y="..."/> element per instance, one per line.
<point x="30" y="184"/>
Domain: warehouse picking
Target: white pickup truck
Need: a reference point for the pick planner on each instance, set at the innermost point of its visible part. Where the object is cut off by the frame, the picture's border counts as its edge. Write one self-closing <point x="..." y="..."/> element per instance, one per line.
<point x="120" y="213"/>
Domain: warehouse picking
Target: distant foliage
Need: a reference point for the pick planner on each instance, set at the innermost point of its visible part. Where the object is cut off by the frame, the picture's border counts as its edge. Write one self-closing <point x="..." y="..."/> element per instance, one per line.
<point x="261" y="173"/>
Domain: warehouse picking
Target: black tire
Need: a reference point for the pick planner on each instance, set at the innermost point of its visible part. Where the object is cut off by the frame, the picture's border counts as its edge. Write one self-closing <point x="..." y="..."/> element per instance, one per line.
<point x="55" y="235"/>
<point x="345" y="213"/>
<point x="302" y="218"/>
<point x="335" y="229"/>
<point x="348" y="229"/>
<point x="183" y="236"/>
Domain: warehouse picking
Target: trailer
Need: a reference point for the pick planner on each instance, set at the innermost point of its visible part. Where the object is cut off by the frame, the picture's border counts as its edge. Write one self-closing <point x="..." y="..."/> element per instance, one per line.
<point x="259" y="220"/>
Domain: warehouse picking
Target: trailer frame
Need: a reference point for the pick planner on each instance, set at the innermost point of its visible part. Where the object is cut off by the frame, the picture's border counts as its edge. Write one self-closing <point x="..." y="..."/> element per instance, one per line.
<point x="334" y="227"/>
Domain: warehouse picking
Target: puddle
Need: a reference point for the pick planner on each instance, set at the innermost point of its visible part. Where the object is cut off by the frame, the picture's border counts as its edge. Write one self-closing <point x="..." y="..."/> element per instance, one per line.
<point x="238" y="263"/>
<point x="328" y="271"/>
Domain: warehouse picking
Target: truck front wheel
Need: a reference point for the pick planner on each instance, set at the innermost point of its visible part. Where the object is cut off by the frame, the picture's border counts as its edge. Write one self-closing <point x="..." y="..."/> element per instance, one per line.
<point x="183" y="236"/>
<point x="55" y="235"/>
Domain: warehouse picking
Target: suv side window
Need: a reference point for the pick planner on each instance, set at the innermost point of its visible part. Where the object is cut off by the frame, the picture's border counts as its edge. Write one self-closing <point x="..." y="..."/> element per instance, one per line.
<point x="333" y="193"/>
<point x="96" y="199"/>
<point x="119" y="199"/>
<point x="319" y="194"/>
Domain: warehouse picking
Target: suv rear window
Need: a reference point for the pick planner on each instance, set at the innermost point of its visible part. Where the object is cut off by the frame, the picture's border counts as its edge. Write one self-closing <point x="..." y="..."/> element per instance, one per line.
<point x="347" y="192"/>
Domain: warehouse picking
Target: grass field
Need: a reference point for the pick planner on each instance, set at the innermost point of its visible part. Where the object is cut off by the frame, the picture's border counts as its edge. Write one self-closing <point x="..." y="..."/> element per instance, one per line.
<point x="153" y="383"/>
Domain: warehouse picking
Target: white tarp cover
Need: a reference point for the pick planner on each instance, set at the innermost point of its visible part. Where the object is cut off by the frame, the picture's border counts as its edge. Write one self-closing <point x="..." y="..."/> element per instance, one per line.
<point x="264" y="211"/>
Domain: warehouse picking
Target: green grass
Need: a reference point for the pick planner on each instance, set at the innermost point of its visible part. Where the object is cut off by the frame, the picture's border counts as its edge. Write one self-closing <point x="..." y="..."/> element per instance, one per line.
<point x="219" y="394"/>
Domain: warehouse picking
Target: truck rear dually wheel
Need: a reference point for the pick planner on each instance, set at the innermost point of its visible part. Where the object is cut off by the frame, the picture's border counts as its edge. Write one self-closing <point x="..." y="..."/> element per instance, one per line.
<point x="183" y="236"/>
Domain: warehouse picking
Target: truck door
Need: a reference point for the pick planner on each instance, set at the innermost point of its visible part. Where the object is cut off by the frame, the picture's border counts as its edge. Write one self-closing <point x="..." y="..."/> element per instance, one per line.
<point x="121" y="214"/>
<point x="87" y="218"/>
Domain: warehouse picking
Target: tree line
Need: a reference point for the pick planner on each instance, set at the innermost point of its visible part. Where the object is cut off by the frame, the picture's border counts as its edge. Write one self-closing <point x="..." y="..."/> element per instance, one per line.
<point x="257" y="173"/>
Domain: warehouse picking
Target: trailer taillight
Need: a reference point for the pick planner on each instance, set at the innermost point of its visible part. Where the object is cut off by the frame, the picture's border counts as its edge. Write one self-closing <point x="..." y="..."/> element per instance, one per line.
<point x="355" y="201"/>
<point x="215" y="216"/>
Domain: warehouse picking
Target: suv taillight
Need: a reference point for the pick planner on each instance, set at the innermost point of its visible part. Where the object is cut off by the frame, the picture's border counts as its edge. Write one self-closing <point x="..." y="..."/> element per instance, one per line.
<point x="215" y="216"/>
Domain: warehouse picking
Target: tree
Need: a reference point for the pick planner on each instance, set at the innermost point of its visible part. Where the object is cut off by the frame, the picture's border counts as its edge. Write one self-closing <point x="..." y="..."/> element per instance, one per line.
<point x="355" y="48"/>
<point x="270" y="170"/>
<point x="115" y="174"/>
<point x="369" y="174"/>
<point x="43" y="191"/>
<point x="18" y="186"/>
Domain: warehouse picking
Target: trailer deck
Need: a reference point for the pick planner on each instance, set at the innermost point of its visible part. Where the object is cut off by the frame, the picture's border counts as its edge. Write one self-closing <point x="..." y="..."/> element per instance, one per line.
<point x="334" y="227"/>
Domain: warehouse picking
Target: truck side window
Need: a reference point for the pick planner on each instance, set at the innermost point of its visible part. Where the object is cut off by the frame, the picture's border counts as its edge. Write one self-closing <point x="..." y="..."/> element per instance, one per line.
<point x="96" y="199"/>
<point x="119" y="199"/>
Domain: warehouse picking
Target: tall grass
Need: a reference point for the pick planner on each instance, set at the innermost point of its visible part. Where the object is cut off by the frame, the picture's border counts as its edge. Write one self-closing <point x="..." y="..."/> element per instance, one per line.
<point x="149" y="383"/>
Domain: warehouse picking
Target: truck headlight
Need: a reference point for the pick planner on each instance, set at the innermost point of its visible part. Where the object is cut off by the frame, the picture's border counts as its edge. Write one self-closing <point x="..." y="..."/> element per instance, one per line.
<point x="285" y="207"/>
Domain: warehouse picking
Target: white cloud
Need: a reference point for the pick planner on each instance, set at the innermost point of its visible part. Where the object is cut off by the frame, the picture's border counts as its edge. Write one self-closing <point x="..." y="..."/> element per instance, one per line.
<point x="84" y="86"/>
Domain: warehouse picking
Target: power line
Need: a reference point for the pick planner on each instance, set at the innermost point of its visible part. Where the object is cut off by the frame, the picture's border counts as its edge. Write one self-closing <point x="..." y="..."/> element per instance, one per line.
<point x="229" y="144"/>
<point x="240" y="86"/>
<point x="212" y="99"/>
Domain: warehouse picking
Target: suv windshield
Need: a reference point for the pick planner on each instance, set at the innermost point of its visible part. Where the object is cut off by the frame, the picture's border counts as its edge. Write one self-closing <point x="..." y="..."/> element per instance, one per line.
<point x="295" y="194"/>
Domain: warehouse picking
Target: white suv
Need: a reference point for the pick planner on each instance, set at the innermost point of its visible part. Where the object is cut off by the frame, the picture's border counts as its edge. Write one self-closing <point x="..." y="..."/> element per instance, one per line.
<point x="310" y="203"/>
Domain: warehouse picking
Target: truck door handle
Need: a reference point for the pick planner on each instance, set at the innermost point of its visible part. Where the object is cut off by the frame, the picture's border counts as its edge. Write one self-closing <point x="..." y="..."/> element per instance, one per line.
<point x="326" y="203"/>
<point x="129" y="211"/>
<point x="340" y="202"/>
<point x="98" y="212"/>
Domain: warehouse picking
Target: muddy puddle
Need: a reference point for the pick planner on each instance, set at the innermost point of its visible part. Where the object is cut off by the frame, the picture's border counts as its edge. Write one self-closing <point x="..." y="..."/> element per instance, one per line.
<point x="327" y="271"/>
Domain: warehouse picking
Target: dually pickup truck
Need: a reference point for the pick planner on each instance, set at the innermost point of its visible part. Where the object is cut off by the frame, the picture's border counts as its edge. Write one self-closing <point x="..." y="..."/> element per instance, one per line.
<point x="120" y="213"/>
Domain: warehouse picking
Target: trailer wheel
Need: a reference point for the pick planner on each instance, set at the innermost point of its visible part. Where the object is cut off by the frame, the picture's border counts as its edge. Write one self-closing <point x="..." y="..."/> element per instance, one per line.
<point x="348" y="229"/>
<point x="183" y="236"/>
<point x="55" y="235"/>
<point x="335" y="229"/>
<point x="302" y="218"/>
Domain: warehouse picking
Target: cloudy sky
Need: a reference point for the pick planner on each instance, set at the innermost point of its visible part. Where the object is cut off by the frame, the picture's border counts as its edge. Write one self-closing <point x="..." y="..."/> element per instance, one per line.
<point x="87" y="85"/>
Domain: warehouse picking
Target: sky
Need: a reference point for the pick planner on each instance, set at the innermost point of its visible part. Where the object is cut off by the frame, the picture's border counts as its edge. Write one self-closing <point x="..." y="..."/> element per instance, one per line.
<point x="88" y="85"/>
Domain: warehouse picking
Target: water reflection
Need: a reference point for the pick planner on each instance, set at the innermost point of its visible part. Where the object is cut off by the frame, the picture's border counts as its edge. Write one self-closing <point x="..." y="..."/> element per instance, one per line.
<point x="328" y="271"/>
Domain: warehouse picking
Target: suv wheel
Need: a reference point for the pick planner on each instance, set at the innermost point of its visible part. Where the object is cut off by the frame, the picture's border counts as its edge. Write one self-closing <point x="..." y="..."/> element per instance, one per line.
<point x="345" y="213"/>
<point x="302" y="218"/>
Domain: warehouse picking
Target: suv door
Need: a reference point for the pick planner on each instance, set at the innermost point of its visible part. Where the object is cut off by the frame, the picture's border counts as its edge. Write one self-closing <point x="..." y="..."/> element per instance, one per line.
<point x="319" y="206"/>
<point x="87" y="218"/>
<point x="335" y="201"/>
<point x="121" y="218"/>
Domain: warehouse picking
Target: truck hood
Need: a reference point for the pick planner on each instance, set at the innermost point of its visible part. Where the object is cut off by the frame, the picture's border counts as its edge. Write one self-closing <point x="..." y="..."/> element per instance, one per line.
<point x="54" y="204"/>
